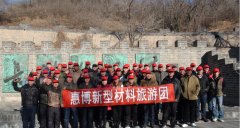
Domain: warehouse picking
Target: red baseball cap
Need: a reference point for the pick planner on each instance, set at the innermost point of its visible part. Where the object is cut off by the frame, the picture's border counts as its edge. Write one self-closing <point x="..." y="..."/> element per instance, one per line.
<point x="206" y="66"/>
<point x="115" y="65"/>
<point x="103" y="70"/>
<point x="199" y="68"/>
<point x="144" y="71"/>
<point x="85" y="70"/>
<point x="100" y="63"/>
<point x="49" y="62"/>
<point x="118" y="69"/>
<point x="168" y="65"/>
<point x="57" y="72"/>
<point x="170" y="70"/>
<point x="45" y="71"/>
<point x="87" y="76"/>
<point x="70" y="63"/>
<point x="52" y="68"/>
<point x="75" y="64"/>
<point x="131" y="77"/>
<point x="135" y="65"/>
<point x="140" y="65"/>
<point x="38" y="68"/>
<point x="34" y="73"/>
<point x="181" y="68"/>
<point x="30" y="79"/>
<point x="126" y="66"/>
<point x="188" y="69"/>
<point x="64" y="65"/>
<point x="154" y="65"/>
<point x="160" y="65"/>
<point x="55" y="81"/>
<point x="69" y="76"/>
<point x="87" y="63"/>
<point x="104" y="78"/>
<point x="148" y="72"/>
<point x="115" y="77"/>
<point x="192" y="65"/>
<point x="216" y="70"/>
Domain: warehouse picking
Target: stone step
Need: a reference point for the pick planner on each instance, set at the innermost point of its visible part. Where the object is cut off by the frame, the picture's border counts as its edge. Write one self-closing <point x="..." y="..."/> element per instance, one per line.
<point x="223" y="56"/>
<point x="236" y="66"/>
<point x="230" y="60"/>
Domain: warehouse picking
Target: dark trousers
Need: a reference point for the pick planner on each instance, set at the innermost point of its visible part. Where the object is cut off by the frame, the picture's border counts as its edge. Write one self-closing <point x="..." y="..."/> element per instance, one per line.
<point x="28" y="116"/>
<point x="201" y="103"/>
<point x="130" y="115"/>
<point x="157" y="108"/>
<point x="148" y="110"/>
<point x="42" y="115"/>
<point x="117" y="114"/>
<point x="180" y="110"/>
<point x="169" y="111"/>
<point x="189" y="109"/>
<point x="70" y="114"/>
<point x="102" y="117"/>
<point x="54" y="117"/>
<point x="86" y="118"/>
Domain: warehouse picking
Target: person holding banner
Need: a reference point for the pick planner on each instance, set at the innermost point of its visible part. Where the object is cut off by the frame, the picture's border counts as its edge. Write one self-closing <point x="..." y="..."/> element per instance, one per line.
<point x="130" y="111"/>
<point x="29" y="94"/>
<point x="170" y="108"/>
<point x="68" y="112"/>
<point x="86" y="113"/>
<point x="148" y="109"/>
<point x="117" y="110"/>
<point x="190" y="90"/>
<point x="102" y="111"/>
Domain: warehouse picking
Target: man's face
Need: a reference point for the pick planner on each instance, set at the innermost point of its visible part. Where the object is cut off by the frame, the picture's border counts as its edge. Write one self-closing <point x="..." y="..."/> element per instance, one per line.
<point x="146" y="67"/>
<point x="57" y="75"/>
<point x="200" y="72"/>
<point x="135" y="68"/>
<point x="95" y="68"/>
<point x="64" y="69"/>
<point x="103" y="73"/>
<point x="160" y="69"/>
<point x="216" y="74"/>
<point x="55" y="85"/>
<point x="119" y="73"/>
<point x="49" y="65"/>
<point x="206" y="69"/>
<point x="155" y="68"/>
<point x="125" y="70"/>
<point x="168" y="68"/>
<point x="104" y="82"/>
<point x="69" y="80"/>
<point x="116" y="81"/>
<point x="149" y="76"/>
<point x="115" y="67"/>
<point x="88" y="66"/>
<point x="49" y="81"/>
<point x="76" y="68"/>
<point x="110" y="69"/>
<point x="131" y="81"/>
<point x="100" y="66"/>
<point x="45" y="75"/>
<point x="70" y="66"/>
<point x="87" y="80"/>
<point x="189" y="73"/>
<point x="171" y="74"/>
<point x="182" y="72"/>
<point x="194" y="68"/>
<point x="30" y="83"/>
<point x="59" y="67"/>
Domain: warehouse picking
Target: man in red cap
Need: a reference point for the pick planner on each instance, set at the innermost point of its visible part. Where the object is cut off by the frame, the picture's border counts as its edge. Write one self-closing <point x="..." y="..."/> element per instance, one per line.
<point x="75" y="72"/>
<point x="216" y="87"/>
<point x="155" y="71"/>
<point x="170" y="108"/>
<point x="102" y="112"/>
<point x="86" y="113"/>
<point x="117" y="110"/>
<point x="118" y="73"/>
<point x="168" y="66"/>
<point x="202" y="96"/>
<point x="88" y="66"/>
<point x="115" y="66"/>
<point x="182" y="72"/>
<point x="140" y="66"/>
<point x="146" y="66"/>
<point x="70" y="66"/>
<point x="125" y="72"/>
<point x="162" y="73"/>
<point x="29" y="94"/>
<point x="100" y="65"/>
<point x="190" y="90"/>
<point x="206" y="70"/>
<point x="49" y="64"/>
<point x="177" y="74"/>
<point x="43" y="100"/>
<point x="148" y="109"/>
<point x="193" y="66"/>
<point x="131" y="111"/>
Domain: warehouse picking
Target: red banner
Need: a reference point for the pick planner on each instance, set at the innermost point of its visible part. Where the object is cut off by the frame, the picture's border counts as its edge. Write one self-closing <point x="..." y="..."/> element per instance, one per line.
<point x="118" y="96"/>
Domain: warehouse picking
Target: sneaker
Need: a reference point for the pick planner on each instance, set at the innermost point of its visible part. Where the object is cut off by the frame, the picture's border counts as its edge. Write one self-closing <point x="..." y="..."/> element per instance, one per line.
<point x="184" y="125"/>
<point x="193" y="125"/>
<point x="220" y="120"/>
<point x="127" y="127"/>
<point x="164" y="126"/>
<point x="214" y="119"/>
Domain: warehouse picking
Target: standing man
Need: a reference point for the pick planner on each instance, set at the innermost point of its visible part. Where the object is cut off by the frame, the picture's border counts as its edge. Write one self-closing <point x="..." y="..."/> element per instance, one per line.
<point x="216" y="89"/>
<point x="170" y="108"/>
<point x="75" y="72"/>
<point x="202" y="96"/>
<point x="190" y="89"/>
<point x="148" y="109"/>
<point x="29" y="94"/>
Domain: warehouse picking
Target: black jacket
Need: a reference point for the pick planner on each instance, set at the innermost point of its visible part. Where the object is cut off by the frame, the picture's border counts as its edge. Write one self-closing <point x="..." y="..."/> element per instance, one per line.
<point x="176" y="83"/>
<point x="29" y="94"/>
<point x="204" y="85"/>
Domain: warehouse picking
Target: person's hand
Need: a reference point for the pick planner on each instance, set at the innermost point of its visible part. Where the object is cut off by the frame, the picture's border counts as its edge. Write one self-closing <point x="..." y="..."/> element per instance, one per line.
<point x="15" y="80"/>
<point x="44" y="80"/>
<point x="67" y="71"/>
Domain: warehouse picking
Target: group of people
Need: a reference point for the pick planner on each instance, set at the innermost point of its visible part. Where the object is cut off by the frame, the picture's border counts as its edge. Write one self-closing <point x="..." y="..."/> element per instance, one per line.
<point x="195" y="88"/>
